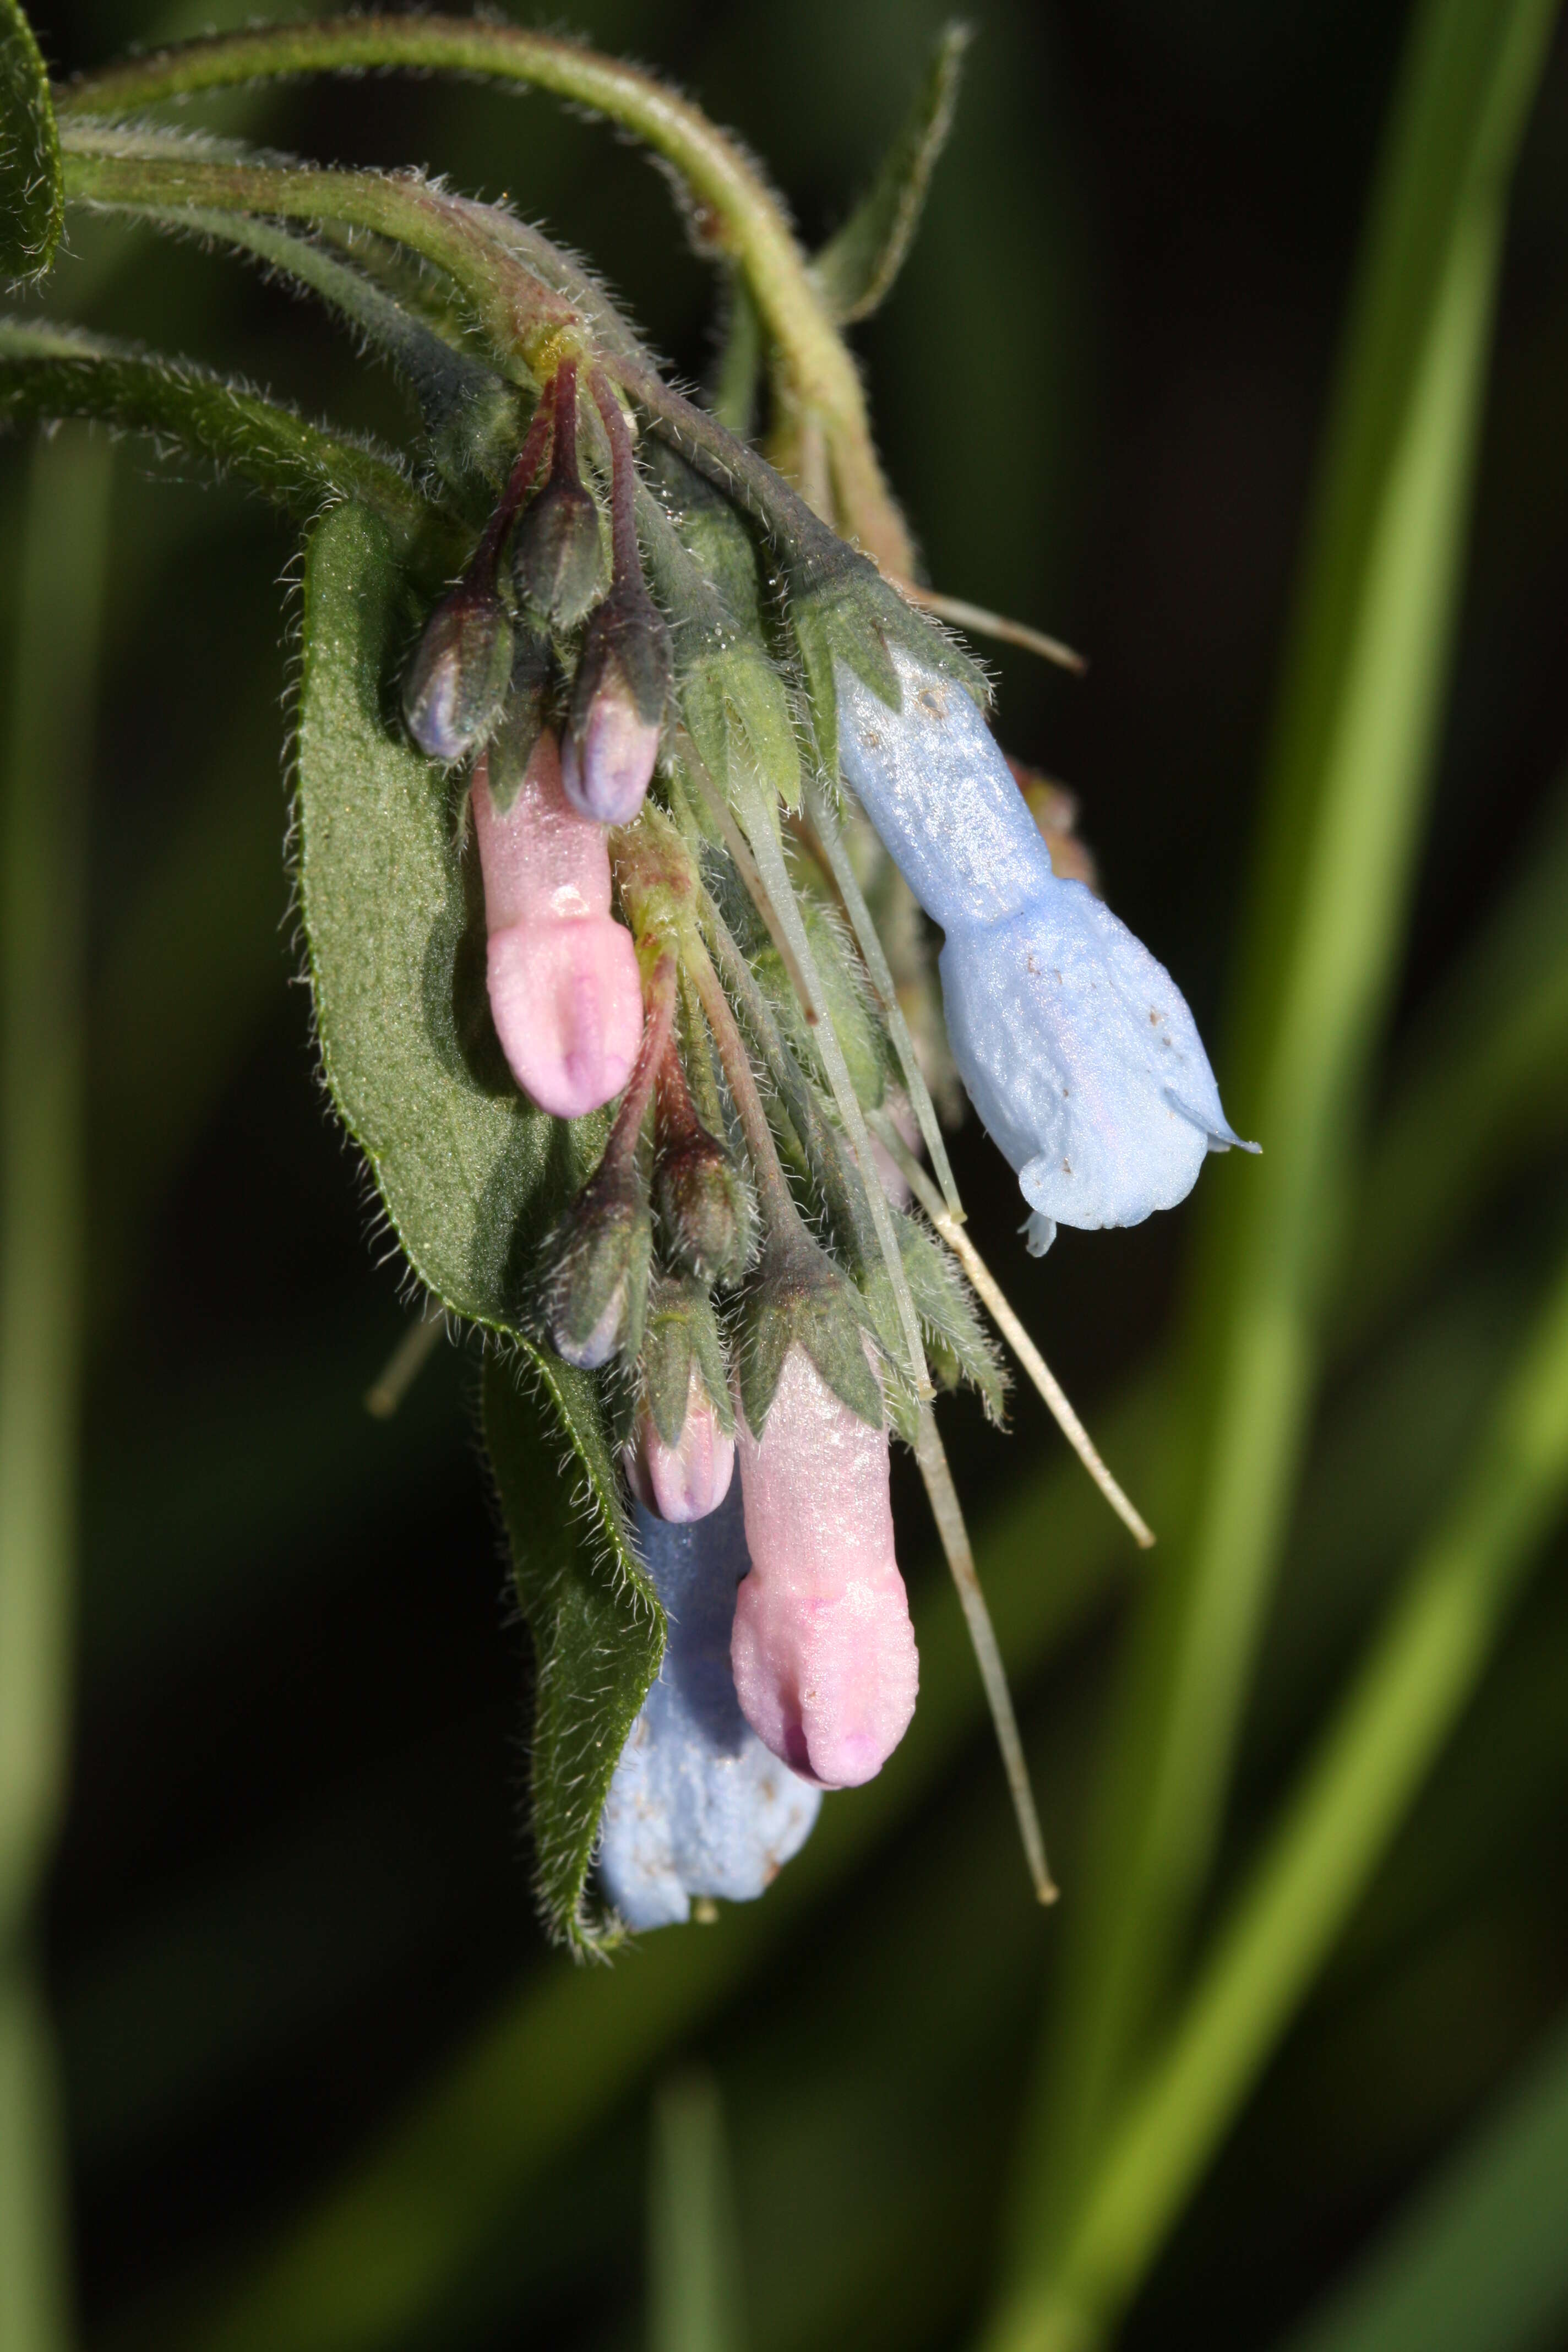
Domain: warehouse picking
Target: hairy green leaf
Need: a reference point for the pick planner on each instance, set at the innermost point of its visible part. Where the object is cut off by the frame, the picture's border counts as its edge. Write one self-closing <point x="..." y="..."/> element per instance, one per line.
<point x="32" y="190"/>
<point x="468" y="1172"/>
<point x="596" y="1620"/>
<point x="47" y="372"/>
<point x="856" y="269"/>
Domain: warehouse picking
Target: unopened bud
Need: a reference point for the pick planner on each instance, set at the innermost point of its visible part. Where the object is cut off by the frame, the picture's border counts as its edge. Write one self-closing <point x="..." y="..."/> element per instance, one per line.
<point x="823" y="1650"/>
<point x="564" y="988"/>
<point x="455" y="685"/>
<point x="704" y="1208"/>
<point x="594" y="1285"/>
<point x="685" y="1479"/>
<point x="556" y="556"/>
<point x="618" y="706"/>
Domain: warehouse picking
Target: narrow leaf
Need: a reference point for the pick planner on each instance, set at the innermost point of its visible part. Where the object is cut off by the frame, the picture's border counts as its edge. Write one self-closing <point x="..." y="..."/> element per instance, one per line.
<point x="48" y="373"/>
<point x="32" y="190"/>
<point x="854" y="270"/>
<point x="596" y="1620"/>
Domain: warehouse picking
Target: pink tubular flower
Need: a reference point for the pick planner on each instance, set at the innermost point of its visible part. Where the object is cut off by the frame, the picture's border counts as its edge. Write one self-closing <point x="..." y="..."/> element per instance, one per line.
<point x="823" y="1650"/>
<point x="565" y="992"/>
<point x="686" y="1480"/>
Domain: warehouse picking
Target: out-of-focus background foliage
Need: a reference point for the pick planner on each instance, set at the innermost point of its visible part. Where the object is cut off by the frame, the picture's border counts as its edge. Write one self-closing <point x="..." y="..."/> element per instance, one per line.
<point x="292" y="1891"/>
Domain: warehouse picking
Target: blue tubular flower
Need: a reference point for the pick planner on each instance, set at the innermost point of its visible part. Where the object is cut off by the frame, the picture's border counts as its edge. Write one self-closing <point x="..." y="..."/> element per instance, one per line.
<point x="1074" y="1046"/>
<point x="698" y="1806"/>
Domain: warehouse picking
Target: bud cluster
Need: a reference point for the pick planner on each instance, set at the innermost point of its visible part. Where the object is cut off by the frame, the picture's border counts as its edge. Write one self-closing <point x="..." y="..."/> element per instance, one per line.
<point x="741" y="1270"/>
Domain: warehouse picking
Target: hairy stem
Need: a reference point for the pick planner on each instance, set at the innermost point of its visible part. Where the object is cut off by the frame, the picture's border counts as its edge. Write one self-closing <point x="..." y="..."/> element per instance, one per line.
<point x="740" y="215"/>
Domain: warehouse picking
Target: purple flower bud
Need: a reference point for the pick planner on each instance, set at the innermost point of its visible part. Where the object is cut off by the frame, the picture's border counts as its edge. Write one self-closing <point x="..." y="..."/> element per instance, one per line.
<point x="618" y="698"/>
<point x="703" y="1207"/>
<point x="698" y="1806"/>
<point x="555" y="554"/>
<point x="593" y="1291"/>
<point x="455" y="685"/>
<point x="686" y="1480"/>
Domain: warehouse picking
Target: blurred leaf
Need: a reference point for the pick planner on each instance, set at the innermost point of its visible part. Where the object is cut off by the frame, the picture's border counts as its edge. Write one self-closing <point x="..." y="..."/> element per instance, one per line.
<point x="596" y="1623"/>
<point x="47" y="372"/>
<point x="32" y="190"/>
<point x="1485" y="1079"/>
<point x="1419" y="1673"/>
<point x="694" y="2256"/>
<point x="47" y="756"/>
<point x="856" y="268"/>
<point x="1347" y="787"/>
<point x="1479" y="2261"/>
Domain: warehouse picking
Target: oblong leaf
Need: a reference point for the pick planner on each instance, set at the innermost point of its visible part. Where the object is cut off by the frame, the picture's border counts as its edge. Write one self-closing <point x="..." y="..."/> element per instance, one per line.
<point x="596" y="1623"/>
<point x="468" y="1172"/>
<point x="48" y="373"/>
<point x="854" y="270"/>
<point x="32" y="189"/>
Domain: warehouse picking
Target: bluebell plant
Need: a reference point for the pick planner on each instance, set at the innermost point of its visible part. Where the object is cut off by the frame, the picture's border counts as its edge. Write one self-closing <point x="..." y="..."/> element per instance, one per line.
<point x="607" y="715"/>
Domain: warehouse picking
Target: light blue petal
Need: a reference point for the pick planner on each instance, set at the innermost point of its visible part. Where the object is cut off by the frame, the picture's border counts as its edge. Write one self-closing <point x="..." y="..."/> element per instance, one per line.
<point x="1074" y="1046"/>
<point x="698" y="1805"/>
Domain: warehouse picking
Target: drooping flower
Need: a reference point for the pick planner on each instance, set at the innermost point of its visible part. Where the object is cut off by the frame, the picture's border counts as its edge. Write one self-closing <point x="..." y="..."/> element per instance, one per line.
<point x="565" y="989"/>
<point x="823" y="1652"/>
<point x="1075" y="1045"/>
<point x="698" y="1806"/>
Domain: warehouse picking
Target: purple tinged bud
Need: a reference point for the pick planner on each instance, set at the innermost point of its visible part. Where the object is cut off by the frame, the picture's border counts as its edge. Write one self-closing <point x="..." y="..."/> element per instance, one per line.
<point x="618" y="698"/>
<point x="456" y="685"/>
<point x="684" y="1480"/>
<point x="704" y="1208"/>
<point x="556" y="556"/>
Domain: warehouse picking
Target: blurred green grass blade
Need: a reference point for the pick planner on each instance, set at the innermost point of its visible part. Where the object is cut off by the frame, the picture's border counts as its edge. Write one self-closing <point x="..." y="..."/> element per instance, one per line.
<point x="384" y="2246"/>
<point x="1479" y="2263"/>
<point x="1417" y="1678"/>
<point x="1485" y="1081"/>
<point x="694" y="2258"/>
<point x="35" y="2300"/>
<point x="43" y="868"/>
<point x="1324" y="922"/>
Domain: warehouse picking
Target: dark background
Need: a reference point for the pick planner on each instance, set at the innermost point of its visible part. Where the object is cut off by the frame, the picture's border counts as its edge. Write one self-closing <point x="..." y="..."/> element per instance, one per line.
<point x="294" y="1874"/>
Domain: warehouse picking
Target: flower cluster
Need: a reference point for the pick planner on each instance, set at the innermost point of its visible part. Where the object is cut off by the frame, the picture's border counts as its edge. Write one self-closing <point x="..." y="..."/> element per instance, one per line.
<point x="669" y="932"/>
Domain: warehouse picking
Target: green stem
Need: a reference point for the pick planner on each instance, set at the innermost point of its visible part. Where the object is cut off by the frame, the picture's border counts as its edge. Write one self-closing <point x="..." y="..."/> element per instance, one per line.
<point x="42" y="1221"/>
<point x="1417" y="1679"/>
<point x="518" y="312"/>
<point x="740" y="213"/>
<point x="1343" y="807"/>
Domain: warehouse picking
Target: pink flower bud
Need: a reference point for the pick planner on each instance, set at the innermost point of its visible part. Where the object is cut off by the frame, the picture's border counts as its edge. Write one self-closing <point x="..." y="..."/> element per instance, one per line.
<point x="565" y="992"/>
<point x="822" y="1650"/>
<point x="686" y="1480"/>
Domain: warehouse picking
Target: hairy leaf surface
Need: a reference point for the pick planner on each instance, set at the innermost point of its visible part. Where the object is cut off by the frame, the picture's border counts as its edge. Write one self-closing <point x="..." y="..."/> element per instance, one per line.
<point x="32" y="190"/>
<point x="596" y="1623"/>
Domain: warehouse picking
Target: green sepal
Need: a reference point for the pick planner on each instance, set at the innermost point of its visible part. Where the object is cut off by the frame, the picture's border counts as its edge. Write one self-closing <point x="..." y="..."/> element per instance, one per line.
<point x="595" y="1621"/>
<point x="523" y="720"/>
<point x="682" y="1330"/>
<point x="596" y="1270"/>
<point x="715" y="536"/>
<point x="842" y="610"/>
<point x="854" y="270"/>
<point x="800" y="1299"/>
<point x="862" y="1039"/>
<point x="737" y="710"/>
<point x="468" y="1172"/>
<point x="32" y="186"/>
<point x="47" y="372"/>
